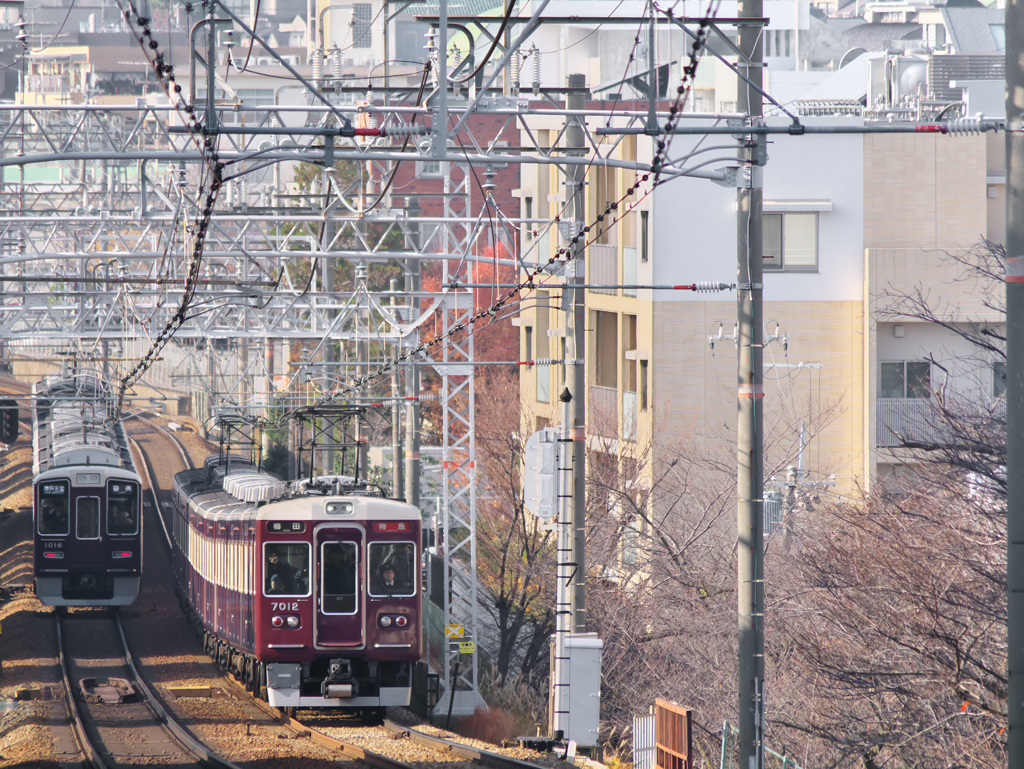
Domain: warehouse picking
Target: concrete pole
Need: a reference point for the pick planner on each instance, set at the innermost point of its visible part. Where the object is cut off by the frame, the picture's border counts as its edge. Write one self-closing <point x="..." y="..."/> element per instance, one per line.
<point x="1015" y="379"/>
<point x="750" y="470"/>
<point x="576" y="367"/>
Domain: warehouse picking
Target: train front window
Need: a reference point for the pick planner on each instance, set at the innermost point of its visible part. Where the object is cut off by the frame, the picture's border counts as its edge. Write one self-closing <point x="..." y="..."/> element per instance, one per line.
<point x="87" y="521"/>
<point x="339" y="569"/>
<point x="286" y="568"/>
<point x="122" y="507"/>
<point x="54" y="506"/>
<point x="392" y="568"/>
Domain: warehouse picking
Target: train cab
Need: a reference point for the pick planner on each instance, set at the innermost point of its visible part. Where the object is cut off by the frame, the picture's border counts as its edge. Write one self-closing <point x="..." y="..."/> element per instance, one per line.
<point x="339" y="586"/>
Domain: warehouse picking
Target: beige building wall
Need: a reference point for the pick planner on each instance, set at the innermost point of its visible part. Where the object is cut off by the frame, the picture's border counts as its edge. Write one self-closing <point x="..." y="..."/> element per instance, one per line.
<point x="925" y="195"/>
<point x="695" y="387"/>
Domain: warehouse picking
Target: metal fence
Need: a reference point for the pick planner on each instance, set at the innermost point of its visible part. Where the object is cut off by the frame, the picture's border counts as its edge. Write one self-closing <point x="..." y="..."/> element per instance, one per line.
<point x="673" y="735"/>
<point x="643" y="742"/>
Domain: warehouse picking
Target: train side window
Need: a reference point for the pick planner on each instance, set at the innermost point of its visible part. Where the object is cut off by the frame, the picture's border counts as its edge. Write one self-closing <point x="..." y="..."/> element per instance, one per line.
<point x="392" y="568"/>
<point x="286" y="568"/>
<point x="87" y="522"/>
<point x="54" y="504"/>
<point x="340" y="569"/>
<point x="122" y="507"/>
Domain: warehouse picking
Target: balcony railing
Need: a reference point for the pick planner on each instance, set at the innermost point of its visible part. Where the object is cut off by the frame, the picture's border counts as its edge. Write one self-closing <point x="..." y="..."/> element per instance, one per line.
<point x="604" y="412"/>
<point x="903" y="419"/>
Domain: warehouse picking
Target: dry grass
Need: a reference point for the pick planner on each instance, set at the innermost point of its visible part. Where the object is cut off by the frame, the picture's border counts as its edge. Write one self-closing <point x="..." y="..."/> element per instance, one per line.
<point x="514" y="697"/>
<point x="494" y="726"/>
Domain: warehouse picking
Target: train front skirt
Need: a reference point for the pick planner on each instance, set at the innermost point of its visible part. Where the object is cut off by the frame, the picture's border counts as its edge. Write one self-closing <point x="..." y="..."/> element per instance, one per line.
<point x="283" y="691"/>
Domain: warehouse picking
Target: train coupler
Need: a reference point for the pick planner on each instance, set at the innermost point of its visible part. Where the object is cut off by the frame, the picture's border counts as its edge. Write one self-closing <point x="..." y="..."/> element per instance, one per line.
<point x="339" y="683"/>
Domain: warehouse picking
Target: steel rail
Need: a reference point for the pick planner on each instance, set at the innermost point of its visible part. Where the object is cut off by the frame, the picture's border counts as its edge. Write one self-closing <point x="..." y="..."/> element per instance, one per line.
<point x="376" y="760"/>
<point x="92" y="756"/>
<point x="495" y="760"/>
<point x="185" y="739"/>
<point x="177" y="444"/>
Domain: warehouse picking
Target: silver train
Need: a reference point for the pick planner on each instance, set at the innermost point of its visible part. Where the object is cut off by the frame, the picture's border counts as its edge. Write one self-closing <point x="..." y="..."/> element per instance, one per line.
<point x="87" y="496"/>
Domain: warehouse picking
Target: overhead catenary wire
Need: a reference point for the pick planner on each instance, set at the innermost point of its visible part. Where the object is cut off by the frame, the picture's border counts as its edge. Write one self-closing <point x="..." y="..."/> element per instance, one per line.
<point x="212" y="166"/>
<point x="468" y="324"/>
<point x="60" y="29"/>
<point x="215" y="180"/>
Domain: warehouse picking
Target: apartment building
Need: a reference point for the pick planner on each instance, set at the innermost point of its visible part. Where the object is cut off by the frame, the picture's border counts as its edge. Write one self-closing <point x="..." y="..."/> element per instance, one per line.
<point x="848" y="220"/>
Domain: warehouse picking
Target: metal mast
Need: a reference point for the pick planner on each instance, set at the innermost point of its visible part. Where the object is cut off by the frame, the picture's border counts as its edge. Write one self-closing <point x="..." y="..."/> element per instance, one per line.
<point x="576" y="369"/>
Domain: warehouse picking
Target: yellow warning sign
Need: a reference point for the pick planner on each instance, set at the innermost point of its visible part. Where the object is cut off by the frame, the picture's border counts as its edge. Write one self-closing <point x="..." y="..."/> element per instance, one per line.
<point x="454" y="631"/>
<point x="466" y="647"/>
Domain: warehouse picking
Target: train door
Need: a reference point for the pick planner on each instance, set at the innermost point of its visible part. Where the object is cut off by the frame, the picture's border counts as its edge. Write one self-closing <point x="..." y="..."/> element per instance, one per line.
<point x="339" y="593"/>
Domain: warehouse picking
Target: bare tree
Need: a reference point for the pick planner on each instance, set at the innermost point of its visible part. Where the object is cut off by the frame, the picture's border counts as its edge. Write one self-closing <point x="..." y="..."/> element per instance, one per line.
<point x="897" y="616"/>
<point x="661" y="535"/>
<point x="516" y="554"/>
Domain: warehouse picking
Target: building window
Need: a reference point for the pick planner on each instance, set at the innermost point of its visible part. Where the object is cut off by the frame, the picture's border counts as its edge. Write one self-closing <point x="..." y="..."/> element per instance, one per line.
<point x="905" y="379"/>
<point x="528" y="214"/>
<point x="644" y="255"/>
<point x="999" y="378"/>
<point x="790" y="242"/>
<point x="528" y="356"/>
<point x="362" y="35"/>
<point x="430" y="168"/>
<point x="643" y="385"/>
<point x="607" y="346"/>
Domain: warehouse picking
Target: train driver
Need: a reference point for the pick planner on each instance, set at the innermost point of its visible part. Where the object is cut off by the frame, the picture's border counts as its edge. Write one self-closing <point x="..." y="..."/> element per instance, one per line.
<point x="389" y="583"/>
<point x="53" y="516"/>
<point x="278" y="575"/>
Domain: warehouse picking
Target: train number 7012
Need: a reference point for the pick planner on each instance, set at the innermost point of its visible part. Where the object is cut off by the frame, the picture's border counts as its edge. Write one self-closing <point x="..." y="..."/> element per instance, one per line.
<point x="275" y="606"/>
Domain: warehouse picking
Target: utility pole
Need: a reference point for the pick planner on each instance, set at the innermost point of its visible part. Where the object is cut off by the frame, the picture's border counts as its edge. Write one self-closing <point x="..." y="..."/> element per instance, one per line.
<point x="749" y="405"/>
<point x="576" y="346"/>
<point x="1015" y="380"/>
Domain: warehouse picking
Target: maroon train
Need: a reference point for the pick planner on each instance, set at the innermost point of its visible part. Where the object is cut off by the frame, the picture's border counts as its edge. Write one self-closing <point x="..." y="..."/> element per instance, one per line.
<point x="308" y="592"/>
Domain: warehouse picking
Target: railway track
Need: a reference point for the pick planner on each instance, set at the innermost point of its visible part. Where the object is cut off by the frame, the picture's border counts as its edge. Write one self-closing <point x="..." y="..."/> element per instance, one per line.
<point x="468" y="752"/>
<point x="389" y="747"/>
<point x="116" y="719"/>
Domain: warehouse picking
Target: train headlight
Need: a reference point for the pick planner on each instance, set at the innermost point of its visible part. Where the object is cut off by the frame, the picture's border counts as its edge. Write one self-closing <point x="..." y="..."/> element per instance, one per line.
<point x="401" y="621"/>
<point x="385" y="621"/>
<point x="277" y="621"/>
<point x="293" y="621"/>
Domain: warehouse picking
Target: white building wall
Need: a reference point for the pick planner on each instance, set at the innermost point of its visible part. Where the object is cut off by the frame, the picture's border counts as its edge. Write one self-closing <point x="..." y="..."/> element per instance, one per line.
<point x="695" y="219"/>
